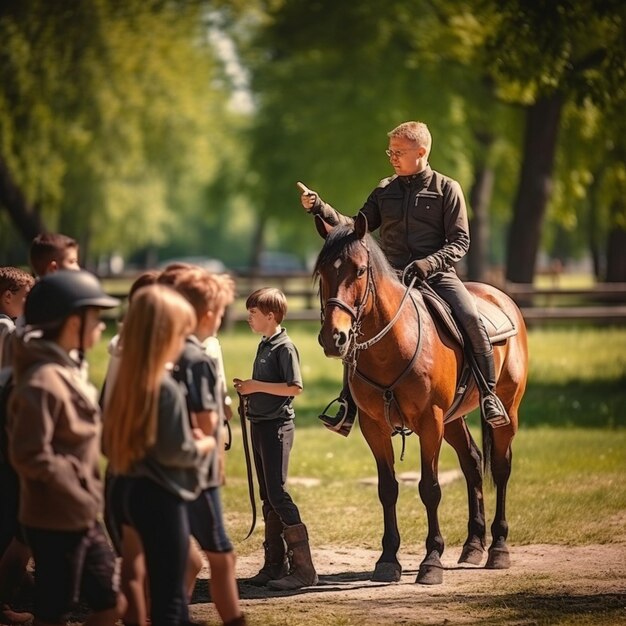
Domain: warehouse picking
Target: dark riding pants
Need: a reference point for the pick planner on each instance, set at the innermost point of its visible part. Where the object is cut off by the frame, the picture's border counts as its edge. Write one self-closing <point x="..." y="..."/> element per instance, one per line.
<point x="271" y="445"/>
<point x="161" y="520"/>
<point x="450" y="287"/>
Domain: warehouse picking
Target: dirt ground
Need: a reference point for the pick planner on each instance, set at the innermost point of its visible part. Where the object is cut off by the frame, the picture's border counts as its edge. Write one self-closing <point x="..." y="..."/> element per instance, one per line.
<point x="546" y="584"/>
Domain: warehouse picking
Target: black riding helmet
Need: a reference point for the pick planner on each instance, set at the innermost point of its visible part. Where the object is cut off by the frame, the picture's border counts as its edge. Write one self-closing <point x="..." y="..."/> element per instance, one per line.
<point x="57" y="296"/>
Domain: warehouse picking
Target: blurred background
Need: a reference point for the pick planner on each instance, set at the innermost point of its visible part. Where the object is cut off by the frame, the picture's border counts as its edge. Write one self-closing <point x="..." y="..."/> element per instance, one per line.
<point x="158" y="129"/>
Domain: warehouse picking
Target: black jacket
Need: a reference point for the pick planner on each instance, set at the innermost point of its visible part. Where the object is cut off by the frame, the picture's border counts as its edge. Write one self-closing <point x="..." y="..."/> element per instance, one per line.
<point x="419" y="216"/>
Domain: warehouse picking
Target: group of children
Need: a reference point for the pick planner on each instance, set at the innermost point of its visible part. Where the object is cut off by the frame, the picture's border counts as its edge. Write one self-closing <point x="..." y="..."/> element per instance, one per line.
<point x="159" y="422"/>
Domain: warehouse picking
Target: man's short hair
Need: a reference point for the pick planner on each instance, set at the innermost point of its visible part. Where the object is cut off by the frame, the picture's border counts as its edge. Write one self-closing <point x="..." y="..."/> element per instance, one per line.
<point x="48" y="247"/>
<point x="268" y="300"/>
<point x="414" y="131"/>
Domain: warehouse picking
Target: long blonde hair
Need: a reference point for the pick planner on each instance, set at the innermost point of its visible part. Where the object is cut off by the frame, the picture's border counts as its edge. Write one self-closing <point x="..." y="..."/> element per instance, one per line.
<point x="157" y="318"/>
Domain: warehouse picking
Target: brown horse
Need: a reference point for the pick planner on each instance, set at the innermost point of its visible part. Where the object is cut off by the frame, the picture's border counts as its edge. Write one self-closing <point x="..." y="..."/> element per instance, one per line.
<point x="404" y="370"/>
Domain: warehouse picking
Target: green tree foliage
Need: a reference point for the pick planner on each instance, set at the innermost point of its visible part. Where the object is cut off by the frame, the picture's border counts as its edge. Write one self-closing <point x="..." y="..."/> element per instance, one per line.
<point x="331" y="79"/>
<point x="110" y="115"/>
<point x="554" y="57"/>
<point x="115" y="126"/>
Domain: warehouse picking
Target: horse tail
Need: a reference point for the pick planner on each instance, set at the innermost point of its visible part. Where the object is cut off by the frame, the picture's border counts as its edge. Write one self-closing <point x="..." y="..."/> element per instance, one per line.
<point x="487" y="435"/>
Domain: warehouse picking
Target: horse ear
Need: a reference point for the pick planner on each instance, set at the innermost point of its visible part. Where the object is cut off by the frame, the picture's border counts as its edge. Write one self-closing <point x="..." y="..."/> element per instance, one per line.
<point x="360" y="225"/>
<point x="323" y="228"/>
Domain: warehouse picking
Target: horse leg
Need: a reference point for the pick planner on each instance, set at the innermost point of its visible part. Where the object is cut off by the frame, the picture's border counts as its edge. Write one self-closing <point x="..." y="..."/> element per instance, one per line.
<point x="501" y="458"/>
<point x="431" y="570"/>
<point x="388" y="568"/>
<point x="457" y="434"/>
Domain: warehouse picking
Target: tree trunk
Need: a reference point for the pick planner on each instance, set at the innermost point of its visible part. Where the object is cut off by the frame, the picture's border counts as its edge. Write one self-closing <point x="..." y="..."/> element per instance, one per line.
<point x="534" y="187"/>
<point x="616" y="246"/>
<point x="480" y="199"/>
<point x="24" y="216"/>
<point x="593" y="228"/>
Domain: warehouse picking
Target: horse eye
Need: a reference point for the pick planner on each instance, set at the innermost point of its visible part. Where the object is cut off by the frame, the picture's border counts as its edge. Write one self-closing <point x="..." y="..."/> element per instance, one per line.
<point x="361" y="271"/>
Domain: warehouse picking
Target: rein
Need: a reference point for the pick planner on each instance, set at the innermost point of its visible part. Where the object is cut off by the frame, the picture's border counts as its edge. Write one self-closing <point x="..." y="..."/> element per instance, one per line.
<point x="370" y="342"/>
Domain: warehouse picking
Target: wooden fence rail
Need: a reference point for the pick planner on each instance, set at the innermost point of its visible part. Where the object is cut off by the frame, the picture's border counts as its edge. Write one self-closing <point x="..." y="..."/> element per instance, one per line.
<point x="605" y="303"/>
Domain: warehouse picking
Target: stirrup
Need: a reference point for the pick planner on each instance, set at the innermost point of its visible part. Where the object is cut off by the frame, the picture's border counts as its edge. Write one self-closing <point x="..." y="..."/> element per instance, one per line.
<point x="342" y="422"/>
<point x="496" y="421"/>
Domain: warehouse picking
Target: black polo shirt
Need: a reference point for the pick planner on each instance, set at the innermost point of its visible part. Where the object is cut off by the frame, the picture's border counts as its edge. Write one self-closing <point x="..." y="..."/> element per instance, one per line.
<point x="197" y="372"/>
<point x="276" y="361"/>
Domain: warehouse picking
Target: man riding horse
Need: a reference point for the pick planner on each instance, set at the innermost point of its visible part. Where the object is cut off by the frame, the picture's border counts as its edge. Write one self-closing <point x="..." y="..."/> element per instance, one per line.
<point x="424" y="231"/>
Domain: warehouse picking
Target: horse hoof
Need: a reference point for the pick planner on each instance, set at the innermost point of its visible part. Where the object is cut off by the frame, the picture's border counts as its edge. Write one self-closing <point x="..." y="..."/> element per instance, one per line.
<point x="387" y="573"/>
<point x="499" y="558"/>
<point x="472" y="554"/>
<point x="430" y="575"/>
<point x="430" y="571"/>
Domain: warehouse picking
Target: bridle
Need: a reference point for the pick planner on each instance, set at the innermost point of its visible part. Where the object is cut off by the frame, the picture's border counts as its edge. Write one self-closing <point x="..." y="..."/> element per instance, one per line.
<point x="355" y="348"/>
<point x="356" y="313"/>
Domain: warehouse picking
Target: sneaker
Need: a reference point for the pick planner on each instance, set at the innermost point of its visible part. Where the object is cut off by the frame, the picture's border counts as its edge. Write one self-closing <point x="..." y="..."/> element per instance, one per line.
<point x="493" y="411"/>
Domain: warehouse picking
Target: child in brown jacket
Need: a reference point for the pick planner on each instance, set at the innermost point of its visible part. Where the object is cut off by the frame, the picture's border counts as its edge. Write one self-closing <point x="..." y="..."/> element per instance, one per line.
<point x="54" y="445"/>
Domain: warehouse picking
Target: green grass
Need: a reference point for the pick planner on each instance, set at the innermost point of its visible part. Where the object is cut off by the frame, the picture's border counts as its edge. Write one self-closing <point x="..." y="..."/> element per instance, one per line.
<point x="577" y="374"/>
<point x="567" y="484"/>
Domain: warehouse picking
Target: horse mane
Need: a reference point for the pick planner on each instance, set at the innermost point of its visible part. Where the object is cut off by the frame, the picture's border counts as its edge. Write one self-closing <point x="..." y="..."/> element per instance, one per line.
<point x="342" y="242"/>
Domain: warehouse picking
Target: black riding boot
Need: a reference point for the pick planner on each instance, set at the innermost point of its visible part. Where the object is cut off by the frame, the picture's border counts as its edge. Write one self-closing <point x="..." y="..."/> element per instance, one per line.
<point x="492" y="409"/>
<point x="346" y="414"/>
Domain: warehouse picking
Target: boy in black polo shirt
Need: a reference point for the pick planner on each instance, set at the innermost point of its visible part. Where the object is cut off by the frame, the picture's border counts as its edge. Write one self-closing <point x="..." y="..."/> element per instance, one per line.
<point x="276" y="379"/>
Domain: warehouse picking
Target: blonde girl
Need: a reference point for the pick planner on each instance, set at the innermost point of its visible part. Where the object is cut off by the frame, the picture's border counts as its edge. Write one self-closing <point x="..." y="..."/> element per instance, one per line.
<point x="155" y="455"/>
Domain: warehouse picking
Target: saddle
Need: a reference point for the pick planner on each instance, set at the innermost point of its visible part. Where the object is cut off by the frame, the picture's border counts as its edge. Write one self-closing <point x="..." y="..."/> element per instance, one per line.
<point x="498" y="324"/>
<point x="499" y="327"/>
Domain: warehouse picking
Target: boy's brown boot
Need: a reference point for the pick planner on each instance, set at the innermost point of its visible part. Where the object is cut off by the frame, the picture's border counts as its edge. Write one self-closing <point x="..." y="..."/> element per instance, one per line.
<point x="239" y="621"/>
<point x="10" y="617"/>
<point x="275" y="565"/>
<point x="302" y="573"/>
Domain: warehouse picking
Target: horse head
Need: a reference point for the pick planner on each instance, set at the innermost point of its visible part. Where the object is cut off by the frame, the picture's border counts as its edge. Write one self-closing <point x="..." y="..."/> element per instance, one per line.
<point x="343" y="268"/>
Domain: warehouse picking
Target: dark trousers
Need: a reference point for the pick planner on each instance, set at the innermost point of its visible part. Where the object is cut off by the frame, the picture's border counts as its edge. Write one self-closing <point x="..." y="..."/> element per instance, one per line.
<point x="161" y="520"/>
<point x="450" y="287"/>
<point x="9" y="492"/>
<point x="71" y="565"/>
<point x="271" y="445"/>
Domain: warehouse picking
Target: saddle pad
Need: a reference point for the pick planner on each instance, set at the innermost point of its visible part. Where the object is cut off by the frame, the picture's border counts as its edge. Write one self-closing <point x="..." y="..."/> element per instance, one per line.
<point x="498" y="324"/>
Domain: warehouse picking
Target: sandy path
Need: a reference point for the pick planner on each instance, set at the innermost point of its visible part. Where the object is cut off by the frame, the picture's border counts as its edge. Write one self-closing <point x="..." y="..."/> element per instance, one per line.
<point x="545" y="582"/>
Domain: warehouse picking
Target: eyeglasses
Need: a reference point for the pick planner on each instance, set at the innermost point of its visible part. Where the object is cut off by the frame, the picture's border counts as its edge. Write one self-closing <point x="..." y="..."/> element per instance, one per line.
<point x="396" y="154"/>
